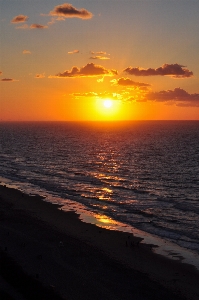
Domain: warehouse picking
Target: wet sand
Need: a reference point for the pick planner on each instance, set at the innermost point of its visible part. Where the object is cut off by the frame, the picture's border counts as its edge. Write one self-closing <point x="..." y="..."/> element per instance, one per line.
<point x="52" y="250"/>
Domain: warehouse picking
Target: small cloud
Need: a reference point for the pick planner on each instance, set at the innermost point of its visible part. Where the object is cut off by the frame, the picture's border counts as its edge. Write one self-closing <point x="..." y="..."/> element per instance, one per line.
<point x="128" y="82"/>
<point x="38" y="26"/>
<point x="99" y="57"/>
<point x="24" y="26"/>
<point x="19" y="19"/>
<point x="26" y="52"/>
<point x="40" y="76"/>
<point x="103" y="95"/>
<point x="89" y="94"/>
<point x="73" y="52"/>
<point x="8" y="79"/>
<point x="99" y="53"/>
<point x="90" y="70"/>
<point x="1" y="72"/>
<point x="177" y="95"/>
<point x="100" y="79"/>
<point x="66" y="10"/>
<point x="172" y="70"/>
<point x="32" y="26"/>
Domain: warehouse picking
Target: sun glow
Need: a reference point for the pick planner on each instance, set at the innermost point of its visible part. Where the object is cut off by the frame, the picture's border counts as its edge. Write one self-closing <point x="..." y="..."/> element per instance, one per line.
<point x="108" y="109"/>
<point x="108" y="103"/>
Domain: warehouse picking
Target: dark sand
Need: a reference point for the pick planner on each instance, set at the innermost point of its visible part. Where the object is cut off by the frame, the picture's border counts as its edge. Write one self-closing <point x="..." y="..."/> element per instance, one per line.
<point x="89" y="263"/>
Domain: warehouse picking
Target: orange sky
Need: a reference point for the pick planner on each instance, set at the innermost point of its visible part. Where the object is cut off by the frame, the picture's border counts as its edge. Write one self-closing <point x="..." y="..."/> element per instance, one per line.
<point x="61" y="61"/>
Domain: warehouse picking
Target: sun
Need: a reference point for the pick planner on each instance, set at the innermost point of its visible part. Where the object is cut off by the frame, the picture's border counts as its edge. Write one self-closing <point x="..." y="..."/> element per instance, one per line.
<point x="108" y="103"/>
<point x="107" y="109"/>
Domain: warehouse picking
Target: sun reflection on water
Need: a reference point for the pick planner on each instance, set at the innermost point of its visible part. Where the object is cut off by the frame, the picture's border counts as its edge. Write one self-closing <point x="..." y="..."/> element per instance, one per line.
<point x="104" y="219"/>
<point x="106" y="222"/>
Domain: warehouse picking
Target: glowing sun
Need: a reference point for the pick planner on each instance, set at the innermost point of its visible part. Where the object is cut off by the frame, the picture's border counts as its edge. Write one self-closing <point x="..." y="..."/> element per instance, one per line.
<point x="108" y="109"/>
<point x="107" y="103"/>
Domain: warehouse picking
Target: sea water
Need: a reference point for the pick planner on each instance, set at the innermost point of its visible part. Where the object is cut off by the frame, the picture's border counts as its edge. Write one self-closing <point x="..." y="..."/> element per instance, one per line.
<point x="139" y="175"/>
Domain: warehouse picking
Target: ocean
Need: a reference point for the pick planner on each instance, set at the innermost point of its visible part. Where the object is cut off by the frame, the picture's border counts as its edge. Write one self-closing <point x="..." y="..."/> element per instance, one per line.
<point x="138" y="176"/>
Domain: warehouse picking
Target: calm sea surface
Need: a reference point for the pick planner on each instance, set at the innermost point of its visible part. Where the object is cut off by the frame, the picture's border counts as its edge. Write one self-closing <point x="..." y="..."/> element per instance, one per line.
<point x="142" y="174"/>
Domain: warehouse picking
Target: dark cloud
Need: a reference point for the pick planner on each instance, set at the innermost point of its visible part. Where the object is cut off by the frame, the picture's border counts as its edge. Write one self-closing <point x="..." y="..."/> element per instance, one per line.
<point x="19" y="19"/>
<point x="38" y="26"/>
<point x="128" y="82"/>
<point x="177" y="95"/>
<point x="66" y="10"/>
<point x="7" y="79"/>
<point x="173" y="70"/>
<point x="188" y="104"/>
<point x="87" y="71"/>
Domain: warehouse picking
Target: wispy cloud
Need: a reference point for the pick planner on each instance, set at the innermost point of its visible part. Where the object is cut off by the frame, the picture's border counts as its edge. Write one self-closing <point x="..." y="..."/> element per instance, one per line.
<point x="90" y="70"/>
<point x="99" y="53"/>
<point x="89" y="94"/>
<point x="52" y="21"/>
<point x="26" y="52"/>
<point x="8" y="79"/>
<point x="73" y="52"/>
<point x="66" y="10"/>
<point x="172" y="70"/>
<point x="19" y="19"/>
<point x="100" y="57"/>
<point x="40" y="76"/>
<point x="24" y="26"/>
<point x="103" y="95"/>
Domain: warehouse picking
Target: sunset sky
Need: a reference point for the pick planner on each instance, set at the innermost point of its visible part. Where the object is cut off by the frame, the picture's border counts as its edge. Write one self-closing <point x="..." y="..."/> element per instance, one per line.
<point x="60" y="61"/>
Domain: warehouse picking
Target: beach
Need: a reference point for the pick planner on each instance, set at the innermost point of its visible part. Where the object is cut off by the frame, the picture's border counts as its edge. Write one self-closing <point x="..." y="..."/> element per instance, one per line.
<point x="70" y="259"/>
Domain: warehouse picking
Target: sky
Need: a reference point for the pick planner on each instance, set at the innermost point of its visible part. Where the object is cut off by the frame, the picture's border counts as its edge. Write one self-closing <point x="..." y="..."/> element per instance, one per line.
<point x="99" y="60"/>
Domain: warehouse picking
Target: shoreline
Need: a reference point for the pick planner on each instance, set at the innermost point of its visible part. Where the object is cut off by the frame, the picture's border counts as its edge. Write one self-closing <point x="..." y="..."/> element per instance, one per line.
<point x="158" y="244"/>
<point x="20" y="211"/>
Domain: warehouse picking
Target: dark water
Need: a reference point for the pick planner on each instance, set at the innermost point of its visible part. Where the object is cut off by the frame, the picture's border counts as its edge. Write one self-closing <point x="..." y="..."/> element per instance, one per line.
<point x="144" y="174"/>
